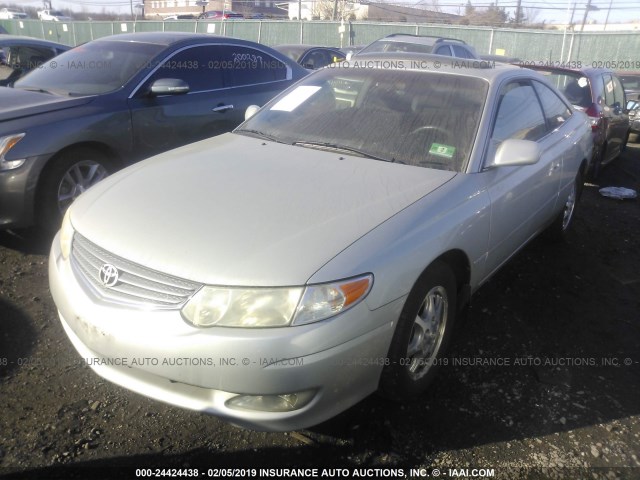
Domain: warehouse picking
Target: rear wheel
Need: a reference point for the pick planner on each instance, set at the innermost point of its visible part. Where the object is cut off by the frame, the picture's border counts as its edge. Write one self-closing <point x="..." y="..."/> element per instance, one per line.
<point x="70" y="174"/>
<point x="560" y="229"/>
<point x="422" y="334"/>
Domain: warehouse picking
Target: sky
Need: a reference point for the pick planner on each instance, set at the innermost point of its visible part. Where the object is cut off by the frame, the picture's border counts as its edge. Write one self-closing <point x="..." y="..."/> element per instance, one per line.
<point x="549" y="10"/>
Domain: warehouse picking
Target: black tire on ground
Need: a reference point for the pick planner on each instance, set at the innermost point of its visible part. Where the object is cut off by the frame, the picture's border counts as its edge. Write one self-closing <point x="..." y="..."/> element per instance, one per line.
<point x="422" y="335"/>
<point x="68" y="175"/>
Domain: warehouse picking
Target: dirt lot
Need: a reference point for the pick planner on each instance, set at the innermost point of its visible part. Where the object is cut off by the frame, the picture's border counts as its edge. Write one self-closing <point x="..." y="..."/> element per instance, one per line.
<point x="542" y="382"/>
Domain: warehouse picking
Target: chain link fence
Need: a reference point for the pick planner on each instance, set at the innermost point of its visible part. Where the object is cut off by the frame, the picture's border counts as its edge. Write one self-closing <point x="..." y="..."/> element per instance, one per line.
<point x="619" y="50"/>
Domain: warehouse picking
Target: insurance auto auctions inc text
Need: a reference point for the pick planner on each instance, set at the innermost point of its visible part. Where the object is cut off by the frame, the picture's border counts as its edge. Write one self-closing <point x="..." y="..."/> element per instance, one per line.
<point x="375" y="472"/>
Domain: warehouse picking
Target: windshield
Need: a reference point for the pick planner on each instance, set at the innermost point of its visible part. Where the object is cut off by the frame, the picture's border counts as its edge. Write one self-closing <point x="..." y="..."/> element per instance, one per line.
<point x="412" y="117"/>
<point x="91" y="69"/>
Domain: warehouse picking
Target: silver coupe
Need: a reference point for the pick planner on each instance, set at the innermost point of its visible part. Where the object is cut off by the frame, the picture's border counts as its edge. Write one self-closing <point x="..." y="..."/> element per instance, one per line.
<point x="279" y="274"/>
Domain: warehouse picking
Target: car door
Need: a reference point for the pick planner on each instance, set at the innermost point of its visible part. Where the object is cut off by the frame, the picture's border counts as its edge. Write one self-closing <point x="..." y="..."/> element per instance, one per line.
<point x="223" y="80"/>
<point x="523" y="198"/>
<point x="619" y="123"/>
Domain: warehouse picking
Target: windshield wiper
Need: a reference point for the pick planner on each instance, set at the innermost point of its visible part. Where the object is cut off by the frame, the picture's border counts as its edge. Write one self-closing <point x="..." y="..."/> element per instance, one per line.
<point x="344" y="148"/>
<point x="39" y="90"/>
<point x="260" y="134"/>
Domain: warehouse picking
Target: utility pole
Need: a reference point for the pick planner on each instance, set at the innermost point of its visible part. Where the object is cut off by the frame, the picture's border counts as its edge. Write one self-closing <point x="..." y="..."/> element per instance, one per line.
<point x="586" y="12"/>
<point x="606" y="20"/>
<point x="518" y="12"/>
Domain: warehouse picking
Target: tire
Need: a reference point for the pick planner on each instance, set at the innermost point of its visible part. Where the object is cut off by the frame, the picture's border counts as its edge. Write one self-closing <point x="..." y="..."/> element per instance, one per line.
<point x="68" y="175"/>
<point x="561" y="228"/>
<point x="422" y="335"/>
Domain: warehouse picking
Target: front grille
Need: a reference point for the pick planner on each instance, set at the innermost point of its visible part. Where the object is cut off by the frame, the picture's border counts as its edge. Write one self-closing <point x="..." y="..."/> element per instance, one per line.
<point x="136" y="285"/>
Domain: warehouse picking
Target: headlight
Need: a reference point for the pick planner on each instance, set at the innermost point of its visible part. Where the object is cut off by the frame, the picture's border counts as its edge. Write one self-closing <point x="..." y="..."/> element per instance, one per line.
<point x="274" y="307"/>
<point x="6" y="144"/>
<point x="66" y="236"/>
<point x="326" y="300"/>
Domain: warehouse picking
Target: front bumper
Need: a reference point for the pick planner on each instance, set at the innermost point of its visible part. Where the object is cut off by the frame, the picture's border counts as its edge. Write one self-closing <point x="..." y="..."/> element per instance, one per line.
<point x="158" y="354"/>
<point x="18" y="191"/>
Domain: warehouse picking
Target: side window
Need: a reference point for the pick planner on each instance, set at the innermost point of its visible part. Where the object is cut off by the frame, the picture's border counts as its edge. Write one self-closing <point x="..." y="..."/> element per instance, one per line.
<point x="519" y="114"/>
<point x="316" y="59"/>
<point x="194" y="65"/>
<point x="609" y="98"/>
<point x="555" y="110"/>
<point x="248" y="66"/>
<point x="460" y="51"/>
<point x="444" y="50"/>
<point x="618" y="91"/>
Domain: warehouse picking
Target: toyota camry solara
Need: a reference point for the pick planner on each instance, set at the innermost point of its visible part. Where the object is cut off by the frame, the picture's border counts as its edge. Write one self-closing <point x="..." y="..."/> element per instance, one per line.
<point x="277" y="275"/>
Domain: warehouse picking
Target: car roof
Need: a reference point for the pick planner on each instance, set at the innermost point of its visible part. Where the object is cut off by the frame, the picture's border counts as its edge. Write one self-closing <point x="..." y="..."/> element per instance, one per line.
<point x="487" y="70"/>
<point x="172" y="38"/>
<point x="587" y="72"/>
<point x="300" y="49"/>
<point x="421" y="39"/>
<point x="9" y="40"/>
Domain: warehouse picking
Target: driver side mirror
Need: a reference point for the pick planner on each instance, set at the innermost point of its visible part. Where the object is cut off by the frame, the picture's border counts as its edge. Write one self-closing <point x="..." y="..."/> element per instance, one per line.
<point x="169" y="86"/>
<point x="514" y="152"/>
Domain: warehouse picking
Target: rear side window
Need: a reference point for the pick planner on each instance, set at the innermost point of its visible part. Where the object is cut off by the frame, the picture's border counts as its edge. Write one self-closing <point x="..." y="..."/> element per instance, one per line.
<point x="248" y="66"/>
<point x="609" y="96"/>
<point x="462" y="52"/>
<point x="444" y="50"/>
<point x="618" y="91"/>
<point x="555" y="110"/>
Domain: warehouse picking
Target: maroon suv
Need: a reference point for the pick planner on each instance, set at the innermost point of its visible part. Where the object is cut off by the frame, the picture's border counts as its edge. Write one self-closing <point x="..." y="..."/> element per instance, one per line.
<point x="599" y="93"/>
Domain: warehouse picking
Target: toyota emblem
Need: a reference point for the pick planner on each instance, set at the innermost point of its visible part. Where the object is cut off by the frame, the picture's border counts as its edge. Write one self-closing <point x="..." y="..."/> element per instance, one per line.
<point x="108" y="275"/>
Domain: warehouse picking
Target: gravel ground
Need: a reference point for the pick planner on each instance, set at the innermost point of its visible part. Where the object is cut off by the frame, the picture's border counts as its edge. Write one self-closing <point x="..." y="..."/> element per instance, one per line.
<point x="543" y="380"/>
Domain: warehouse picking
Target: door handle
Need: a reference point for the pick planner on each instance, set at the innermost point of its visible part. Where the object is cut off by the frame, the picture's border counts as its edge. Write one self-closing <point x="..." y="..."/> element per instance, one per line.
<point x="223" y="108"/>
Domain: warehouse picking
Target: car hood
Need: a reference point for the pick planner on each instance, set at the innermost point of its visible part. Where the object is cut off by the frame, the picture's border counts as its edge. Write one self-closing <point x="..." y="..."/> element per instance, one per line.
<point x="235" y="210"/>
<point x="17" y="103"/>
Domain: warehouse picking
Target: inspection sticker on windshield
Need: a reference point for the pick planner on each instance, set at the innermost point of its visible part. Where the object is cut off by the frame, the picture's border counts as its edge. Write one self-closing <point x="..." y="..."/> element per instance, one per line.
<point x="442" y="150"/>
<point x="295" y="98"/>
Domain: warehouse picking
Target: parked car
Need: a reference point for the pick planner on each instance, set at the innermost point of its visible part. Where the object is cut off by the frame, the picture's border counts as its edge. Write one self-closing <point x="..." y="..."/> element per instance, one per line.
<point x="311" y="57"/>
<point x="220" y="15"/>
<point x="119" y="99"/>
<point x="500" y="58"/>
<point x="11" y="13"/>
<point x="599" y="93"/>
<point x="181" y="17"/>
<point x="406" y="43"/>
<point x="322" y="250"/>
<point x="633" y="106"/>
<point x="19" y="55"/>
<point x="630" y="83"/>
<point x="53" y="16"/>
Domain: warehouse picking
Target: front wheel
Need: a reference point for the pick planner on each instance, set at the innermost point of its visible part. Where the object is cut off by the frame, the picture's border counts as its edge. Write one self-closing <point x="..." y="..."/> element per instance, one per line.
<point x="422" y="334"/>
<point x="70" y="174"/>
